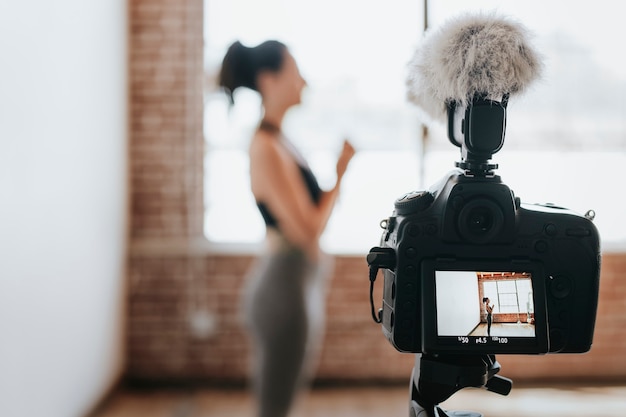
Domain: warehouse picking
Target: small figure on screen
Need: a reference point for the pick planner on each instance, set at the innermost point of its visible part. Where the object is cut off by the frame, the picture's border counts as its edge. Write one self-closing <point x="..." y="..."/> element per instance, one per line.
<point x="489" y="309"/>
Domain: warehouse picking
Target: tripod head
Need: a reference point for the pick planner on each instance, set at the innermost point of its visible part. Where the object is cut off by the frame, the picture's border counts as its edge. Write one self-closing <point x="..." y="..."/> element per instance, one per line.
<point x="478" y="129"/>
<point x="436" y="377"/>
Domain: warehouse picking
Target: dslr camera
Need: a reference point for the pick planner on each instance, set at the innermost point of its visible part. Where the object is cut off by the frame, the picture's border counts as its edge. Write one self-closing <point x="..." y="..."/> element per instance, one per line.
<point x="470" y="269"/>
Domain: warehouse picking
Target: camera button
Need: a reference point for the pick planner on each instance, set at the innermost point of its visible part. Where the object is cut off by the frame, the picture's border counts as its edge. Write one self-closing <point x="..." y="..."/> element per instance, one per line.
<point x="560" y="287"/>
<point x="414" y="202"/>
<point x="541" y="246"/>
<point x="551" y="229"/>
<point x="410" y="252"/>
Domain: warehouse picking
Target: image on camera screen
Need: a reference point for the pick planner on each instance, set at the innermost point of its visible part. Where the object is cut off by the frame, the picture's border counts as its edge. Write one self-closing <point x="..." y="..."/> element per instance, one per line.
<point x="484" y="307"/>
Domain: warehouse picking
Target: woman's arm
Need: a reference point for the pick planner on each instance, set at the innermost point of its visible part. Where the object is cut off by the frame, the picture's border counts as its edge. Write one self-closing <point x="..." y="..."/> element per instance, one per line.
<point x="332" y="195"/>
<point x="276" y="180"/>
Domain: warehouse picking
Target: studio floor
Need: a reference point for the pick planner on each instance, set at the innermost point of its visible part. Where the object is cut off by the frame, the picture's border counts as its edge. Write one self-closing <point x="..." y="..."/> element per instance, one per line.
<point x="545" y="401"/>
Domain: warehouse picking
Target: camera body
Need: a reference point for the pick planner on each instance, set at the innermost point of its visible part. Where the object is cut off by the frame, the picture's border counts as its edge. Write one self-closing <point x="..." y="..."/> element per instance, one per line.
<point x="468" y="243"/>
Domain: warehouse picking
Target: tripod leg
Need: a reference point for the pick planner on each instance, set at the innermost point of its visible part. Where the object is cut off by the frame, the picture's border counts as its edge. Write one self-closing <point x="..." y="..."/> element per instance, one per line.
<point x="417" y="408"/>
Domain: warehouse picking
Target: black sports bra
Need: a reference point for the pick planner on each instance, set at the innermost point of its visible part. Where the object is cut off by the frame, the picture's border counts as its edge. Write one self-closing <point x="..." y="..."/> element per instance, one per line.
<point x="312" y="185"/>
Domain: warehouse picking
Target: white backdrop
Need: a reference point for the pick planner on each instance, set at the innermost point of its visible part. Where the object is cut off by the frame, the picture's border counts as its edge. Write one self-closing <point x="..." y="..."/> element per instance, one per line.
<point x="63" y="203"/>
<point x="458" y="308"/>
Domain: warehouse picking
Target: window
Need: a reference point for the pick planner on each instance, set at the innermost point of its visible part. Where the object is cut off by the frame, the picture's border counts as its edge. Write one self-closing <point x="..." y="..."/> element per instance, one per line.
<point x="565" y="138"/>
<point x="510" y="296"/>
<point x="353" y="56"/>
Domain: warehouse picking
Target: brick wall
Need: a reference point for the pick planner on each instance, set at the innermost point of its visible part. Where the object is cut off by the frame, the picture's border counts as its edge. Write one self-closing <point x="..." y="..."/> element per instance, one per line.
<point x="166" y="64"/>
<point x="183" y="304"/>
<point x="167" y="289"/>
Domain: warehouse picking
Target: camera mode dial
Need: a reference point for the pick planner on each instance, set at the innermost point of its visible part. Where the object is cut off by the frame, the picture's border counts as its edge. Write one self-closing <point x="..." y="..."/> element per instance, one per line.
<point x="413" y="202"/>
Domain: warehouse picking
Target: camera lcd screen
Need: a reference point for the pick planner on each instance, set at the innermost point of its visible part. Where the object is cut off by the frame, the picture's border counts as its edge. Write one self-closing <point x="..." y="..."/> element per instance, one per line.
<point x="486" y="311"/>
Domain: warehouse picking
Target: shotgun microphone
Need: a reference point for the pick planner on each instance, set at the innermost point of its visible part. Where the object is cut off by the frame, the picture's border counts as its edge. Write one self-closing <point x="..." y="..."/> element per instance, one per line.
<point x="473" y="55"/>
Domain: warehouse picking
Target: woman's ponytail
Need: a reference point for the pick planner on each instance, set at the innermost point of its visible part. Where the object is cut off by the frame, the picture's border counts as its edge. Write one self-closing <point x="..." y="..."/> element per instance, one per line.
<point x="242" y="64"/>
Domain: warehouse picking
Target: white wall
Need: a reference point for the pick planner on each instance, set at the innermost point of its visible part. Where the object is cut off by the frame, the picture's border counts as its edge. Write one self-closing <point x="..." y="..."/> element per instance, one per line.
<point x="63" y="203"/>
<point x="458" y="306"/>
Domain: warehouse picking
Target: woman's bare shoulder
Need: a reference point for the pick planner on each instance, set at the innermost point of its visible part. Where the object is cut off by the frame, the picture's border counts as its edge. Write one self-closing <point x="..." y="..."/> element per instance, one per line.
<point x="264" y="144"/>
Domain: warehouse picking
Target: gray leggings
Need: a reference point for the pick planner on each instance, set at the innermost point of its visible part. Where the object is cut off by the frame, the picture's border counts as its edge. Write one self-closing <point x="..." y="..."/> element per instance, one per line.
<point x="284" y="311"/>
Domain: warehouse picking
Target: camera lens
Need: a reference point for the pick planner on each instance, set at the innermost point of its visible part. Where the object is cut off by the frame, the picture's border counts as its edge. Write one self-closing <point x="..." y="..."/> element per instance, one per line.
<point x="480" y="221"/>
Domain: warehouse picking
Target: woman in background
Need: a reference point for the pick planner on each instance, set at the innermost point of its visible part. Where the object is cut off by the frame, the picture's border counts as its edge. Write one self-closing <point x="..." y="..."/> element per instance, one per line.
<point x="284" y="297"/>
<point x="489" y="310"/>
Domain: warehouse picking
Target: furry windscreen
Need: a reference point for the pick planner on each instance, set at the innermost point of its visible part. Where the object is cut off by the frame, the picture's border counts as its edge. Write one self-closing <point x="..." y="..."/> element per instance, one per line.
<point x="471" y="54"/>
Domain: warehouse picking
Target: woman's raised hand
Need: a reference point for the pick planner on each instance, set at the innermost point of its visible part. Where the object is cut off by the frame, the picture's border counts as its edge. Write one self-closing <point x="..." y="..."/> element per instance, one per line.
<point x="347" y="152"/>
